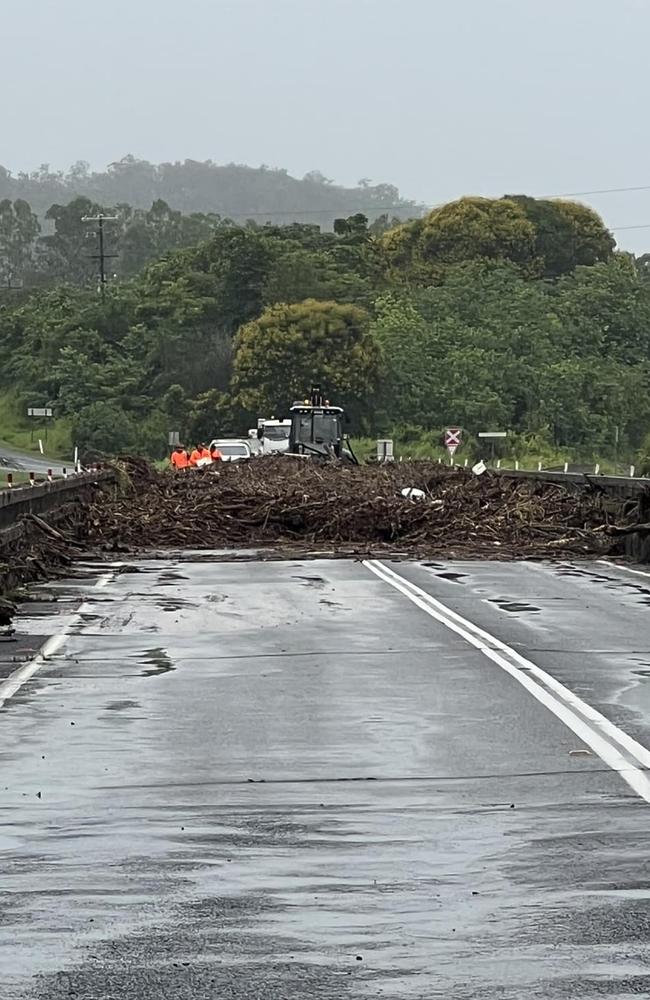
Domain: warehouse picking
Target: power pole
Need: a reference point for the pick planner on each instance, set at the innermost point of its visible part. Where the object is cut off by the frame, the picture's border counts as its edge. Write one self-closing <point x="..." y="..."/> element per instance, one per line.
<point x="102" y="256"/>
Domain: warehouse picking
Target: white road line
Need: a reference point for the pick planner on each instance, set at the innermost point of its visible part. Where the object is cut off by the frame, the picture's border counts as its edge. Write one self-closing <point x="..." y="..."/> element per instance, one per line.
<point x="15" y="681"/>
<point x="623" y="569"/>
<point x="597" y="732"/>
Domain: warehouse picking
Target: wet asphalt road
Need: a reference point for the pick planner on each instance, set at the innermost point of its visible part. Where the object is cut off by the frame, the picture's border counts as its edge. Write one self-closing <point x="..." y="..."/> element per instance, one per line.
<point x="285" y="780"/>
<point x="29" y="462"/>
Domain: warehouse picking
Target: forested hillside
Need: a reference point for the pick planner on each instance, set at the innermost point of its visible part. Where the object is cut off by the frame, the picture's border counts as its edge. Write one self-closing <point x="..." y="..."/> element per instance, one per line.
<point x="509" y="313"/>
<point x="45" y="235"/>
<point x="232" y="191"/>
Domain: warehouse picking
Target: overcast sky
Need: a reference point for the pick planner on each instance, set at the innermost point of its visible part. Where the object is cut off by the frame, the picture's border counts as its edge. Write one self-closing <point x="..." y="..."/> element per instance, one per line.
<point x="440" y="97"/>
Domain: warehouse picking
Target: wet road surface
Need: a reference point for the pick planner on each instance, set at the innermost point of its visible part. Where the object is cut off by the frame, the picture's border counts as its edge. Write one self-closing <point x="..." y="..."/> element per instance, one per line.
<point x="10" y="458"/>
<point x="270" y="780"/>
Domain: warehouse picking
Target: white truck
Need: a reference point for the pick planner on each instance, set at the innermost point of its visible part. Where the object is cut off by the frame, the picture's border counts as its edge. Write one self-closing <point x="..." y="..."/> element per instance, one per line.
<point x="272" y="435"/>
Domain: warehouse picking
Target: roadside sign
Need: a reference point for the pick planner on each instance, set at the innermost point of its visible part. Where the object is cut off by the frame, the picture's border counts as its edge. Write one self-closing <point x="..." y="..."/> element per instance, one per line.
<point x="453" y="438"/>
<point x="174" y="438"/>
<point x="492" y="434"/>
<point x="39" y="411"/>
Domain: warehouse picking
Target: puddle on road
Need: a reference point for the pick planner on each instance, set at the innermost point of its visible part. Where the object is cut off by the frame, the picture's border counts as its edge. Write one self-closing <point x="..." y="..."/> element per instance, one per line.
<point x="310" y="581"/>
<point x="121" y="706"/>
<point x="445" y="574"/>
<point x="169" y="577"/>
<point x="514" y="607"/>
<point x="158" y="662"/>
<point x="175" y="604"/>
<point x="452" y="577"/>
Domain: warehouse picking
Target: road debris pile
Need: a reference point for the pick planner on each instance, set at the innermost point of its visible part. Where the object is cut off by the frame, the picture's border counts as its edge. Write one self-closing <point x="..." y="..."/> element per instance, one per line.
<point x="36" y="549"/>
<point x="413" y="508"/>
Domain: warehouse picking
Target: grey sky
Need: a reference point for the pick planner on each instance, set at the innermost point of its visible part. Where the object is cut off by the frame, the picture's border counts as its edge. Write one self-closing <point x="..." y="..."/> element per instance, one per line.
<point x="440" y="98"/>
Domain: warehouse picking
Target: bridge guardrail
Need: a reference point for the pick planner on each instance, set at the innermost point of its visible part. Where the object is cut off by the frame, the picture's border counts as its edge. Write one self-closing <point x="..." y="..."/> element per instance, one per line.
<point x="43" y="497"/>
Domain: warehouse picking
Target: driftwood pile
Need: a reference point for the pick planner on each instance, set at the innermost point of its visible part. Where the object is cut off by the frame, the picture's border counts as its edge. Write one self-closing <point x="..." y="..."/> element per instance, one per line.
<point x="299" y="505"/>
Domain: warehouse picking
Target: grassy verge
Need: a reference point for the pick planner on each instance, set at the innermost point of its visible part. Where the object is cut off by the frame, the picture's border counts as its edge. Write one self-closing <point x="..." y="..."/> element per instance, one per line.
<point x="470" y="452"/>
<point x="17" y="431"/>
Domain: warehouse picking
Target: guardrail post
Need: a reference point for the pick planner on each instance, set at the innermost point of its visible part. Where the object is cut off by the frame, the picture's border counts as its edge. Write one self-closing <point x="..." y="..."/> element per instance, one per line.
<point x="597" y="469"/>
<point x="498" y="463"/>
<point x="566" y="466"/>
<point x="32" y="479"/>
<point x="65" y="473"/>
<point x="50" y="477"/>
<point x="10" y="480"/>
<point x="632" y="471"/>
<point x="539" y="466"/>
<point x="516" y="465"/>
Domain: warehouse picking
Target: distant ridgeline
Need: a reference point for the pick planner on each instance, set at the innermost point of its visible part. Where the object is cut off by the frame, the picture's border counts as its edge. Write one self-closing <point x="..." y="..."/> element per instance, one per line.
<point x="232" y="191"/>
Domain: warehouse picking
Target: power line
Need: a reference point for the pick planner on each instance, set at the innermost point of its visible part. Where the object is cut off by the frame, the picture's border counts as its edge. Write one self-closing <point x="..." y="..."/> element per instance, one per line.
<point x="400" y="207"/>
<point x="317" y="211"/>
<point x="618" y="229"/>
<point x="581" y="194"/>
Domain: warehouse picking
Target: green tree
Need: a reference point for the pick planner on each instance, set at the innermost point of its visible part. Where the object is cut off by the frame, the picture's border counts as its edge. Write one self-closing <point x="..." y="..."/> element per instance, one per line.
<point x="103" y="428"/>
<point x="279" y="355"/>
<point x="466" y="351"/>
<point x="567" y="234"/>
<point x="606" y="309"/>
<point x="66" y="253"/>
<point x="19" y="228"/>
<point x="216" y="414"/>
<point x="463" y="230"/>
<point x="543" y="238"/>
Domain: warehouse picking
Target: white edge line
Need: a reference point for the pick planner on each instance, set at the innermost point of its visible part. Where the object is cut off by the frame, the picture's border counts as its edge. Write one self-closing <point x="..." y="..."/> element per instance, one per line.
<point x="623" y="569"/>
<point x="15" y="681"/>
<point x="638" y="751"/>
<point x="564" y="709"/>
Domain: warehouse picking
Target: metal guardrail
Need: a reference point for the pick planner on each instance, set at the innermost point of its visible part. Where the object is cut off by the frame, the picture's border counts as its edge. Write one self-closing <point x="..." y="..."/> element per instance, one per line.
<point x="42" y="497"/>
<point x="632" y="484"/>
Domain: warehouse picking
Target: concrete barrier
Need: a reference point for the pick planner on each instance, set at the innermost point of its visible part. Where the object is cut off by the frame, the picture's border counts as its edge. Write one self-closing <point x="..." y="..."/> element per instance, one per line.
<point x="43" y="497"/>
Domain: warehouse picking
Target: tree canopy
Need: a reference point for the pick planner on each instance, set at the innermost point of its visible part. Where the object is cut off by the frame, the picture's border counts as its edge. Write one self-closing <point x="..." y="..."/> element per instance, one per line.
<point x="513" y="313"/>
<point x="280" y="354"/>
<point x="543" y="238"/>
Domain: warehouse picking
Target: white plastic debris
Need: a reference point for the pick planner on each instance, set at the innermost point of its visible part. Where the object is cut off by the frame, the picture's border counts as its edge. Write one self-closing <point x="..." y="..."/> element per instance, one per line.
<point x="412" y="493"/>
<point x="479" y="468"/>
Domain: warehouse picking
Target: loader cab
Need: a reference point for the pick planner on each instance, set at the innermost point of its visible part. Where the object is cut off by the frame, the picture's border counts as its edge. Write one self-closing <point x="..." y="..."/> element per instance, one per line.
<point x="316" y="427"/>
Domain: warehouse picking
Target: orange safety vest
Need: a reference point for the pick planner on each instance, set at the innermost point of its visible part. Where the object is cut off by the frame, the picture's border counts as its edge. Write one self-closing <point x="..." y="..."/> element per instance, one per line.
<point x="179" y="459"/>
<point x="198" y="454"/>
<point x="215" y="455"/>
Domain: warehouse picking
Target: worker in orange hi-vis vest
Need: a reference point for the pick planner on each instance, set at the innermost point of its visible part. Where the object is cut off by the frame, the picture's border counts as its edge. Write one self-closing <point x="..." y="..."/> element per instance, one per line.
<point x="179" y="458"/>
<point x="200" y="456"/>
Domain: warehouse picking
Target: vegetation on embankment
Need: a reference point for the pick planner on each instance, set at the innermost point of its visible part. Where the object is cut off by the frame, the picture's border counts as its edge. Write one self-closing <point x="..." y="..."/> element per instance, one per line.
<point x="509" y="314"/>
<point x="22" y="433"/>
